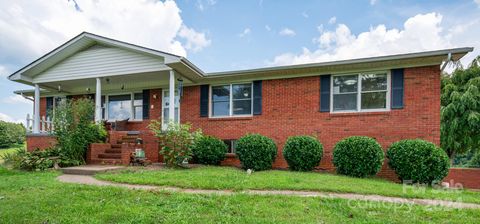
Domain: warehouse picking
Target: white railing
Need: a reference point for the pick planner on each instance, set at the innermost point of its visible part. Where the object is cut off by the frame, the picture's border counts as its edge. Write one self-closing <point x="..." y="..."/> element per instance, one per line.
<point x="46" y="125"/>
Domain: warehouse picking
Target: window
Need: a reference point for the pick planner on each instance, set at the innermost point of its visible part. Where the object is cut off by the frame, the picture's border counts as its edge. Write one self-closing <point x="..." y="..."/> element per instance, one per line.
<point x="166" y="106"/>
<point x="231" y="145"/>
<point x="138" y="106"/>
<point x="231" y="100"/>
<point x="125" y="106"/>
<point x="361" y="92"/>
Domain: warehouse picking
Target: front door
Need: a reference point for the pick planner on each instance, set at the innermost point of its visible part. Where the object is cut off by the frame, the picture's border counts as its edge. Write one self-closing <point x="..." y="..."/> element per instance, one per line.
<point x="166" y="106"/>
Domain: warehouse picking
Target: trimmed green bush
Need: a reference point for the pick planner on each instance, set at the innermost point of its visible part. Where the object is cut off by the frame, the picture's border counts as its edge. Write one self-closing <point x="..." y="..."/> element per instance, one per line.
<point x="358" y="156"/>
<point x="209" y="150"/>
<point x="256" y="152"/>
<point x="418" y="161"/>
<point x="302" y="153"/>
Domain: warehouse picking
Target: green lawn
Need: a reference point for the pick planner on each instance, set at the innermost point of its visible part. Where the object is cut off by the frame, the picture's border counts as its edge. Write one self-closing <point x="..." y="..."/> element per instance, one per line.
<point x="36" y="197"/>
<point x="4" y="151"/>
<point x="212" y="177"/>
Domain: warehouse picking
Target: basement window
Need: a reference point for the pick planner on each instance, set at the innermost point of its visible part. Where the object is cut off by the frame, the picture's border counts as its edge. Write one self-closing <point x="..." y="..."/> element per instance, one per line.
<point x="362" y="92"/>
<point x="231" y="145"/>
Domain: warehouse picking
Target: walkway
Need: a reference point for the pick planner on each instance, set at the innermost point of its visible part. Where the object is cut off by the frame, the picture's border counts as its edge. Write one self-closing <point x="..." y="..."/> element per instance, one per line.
<point x="90" y="180"/>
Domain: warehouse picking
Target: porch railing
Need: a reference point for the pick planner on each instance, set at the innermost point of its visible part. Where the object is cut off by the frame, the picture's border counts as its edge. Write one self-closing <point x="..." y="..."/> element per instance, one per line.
<point x="46" y="124"/>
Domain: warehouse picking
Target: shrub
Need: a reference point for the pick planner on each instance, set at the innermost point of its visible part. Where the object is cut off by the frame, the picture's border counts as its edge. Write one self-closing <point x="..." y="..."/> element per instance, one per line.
<point x="358" y="156"/>
<point x="418" y="161"/>
<point x="75" y="129"/>
<point x="209" y="150"/>
<point x="11" y="134"/>
<point x="176" y="142"/>
<point x="475" y="161"/>
<point x="302" y="153"/>
<point x="35" y="160"/>
<point x="256" y="152"/>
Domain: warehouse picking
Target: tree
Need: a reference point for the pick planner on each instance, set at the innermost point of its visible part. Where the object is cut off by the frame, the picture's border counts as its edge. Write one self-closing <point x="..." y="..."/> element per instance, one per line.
<point x="460" y="110"/>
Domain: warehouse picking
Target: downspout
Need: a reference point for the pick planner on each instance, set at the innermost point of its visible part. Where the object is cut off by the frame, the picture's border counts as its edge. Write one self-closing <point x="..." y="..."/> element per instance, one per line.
<point x="449" y="58"/>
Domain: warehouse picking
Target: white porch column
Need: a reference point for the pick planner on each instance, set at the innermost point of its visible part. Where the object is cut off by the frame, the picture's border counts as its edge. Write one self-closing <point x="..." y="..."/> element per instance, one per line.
<point x="171" y="99"/>
<point x="98" y="101"/>
<point x="36" y="110"/>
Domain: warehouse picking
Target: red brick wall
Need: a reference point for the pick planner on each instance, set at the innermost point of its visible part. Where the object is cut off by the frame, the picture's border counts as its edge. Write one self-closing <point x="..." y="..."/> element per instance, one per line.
<point x="40" y="142"/>
<point x="464" y="177"/>
<point x="291" y="107"/>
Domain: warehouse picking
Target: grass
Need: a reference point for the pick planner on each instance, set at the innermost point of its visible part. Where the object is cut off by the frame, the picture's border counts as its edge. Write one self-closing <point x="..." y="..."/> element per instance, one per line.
<point x="36" y="197"/>
<point x="211" y="177"/>
<point x="11" y="149"/>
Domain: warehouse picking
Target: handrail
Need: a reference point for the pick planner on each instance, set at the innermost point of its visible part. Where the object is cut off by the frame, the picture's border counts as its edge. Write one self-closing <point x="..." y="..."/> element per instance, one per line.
<point x="46" y="124"/>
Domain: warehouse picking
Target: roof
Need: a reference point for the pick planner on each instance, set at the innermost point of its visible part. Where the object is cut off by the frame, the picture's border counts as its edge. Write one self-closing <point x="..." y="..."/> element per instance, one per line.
<point x="188" y="69"/>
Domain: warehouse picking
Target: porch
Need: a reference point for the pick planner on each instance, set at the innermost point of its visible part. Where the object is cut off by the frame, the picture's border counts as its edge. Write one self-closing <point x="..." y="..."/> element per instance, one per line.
<point x="129" y="84"/>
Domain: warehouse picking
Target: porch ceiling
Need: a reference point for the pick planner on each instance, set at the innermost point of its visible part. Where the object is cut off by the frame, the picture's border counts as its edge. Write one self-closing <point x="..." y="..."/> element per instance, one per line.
<point x="114" y="84"/>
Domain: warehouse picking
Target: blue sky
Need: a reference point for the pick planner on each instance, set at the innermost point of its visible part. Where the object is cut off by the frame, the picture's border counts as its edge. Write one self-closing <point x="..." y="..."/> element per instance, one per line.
<point x="219" y="35"/>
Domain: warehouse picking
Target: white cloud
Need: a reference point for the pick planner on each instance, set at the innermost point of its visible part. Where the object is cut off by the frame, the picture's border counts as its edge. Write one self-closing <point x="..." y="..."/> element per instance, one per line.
<point x="201" y="5"/>
<point x="4" y="117"/>
<point x="373" y="2"/>
<point x="332" y="20"/>
<point x="3" y="71"/>
<point x="305" y="15"/>
<point x="195" y="41"/>
<point x="287" y="32"/>
<point x="478" y="2"/>
<point x="267" y="27"/>
<point x="245" y="32"/>
<point x="419" y="33"/>
<point x="15" y="99"/>
<point x="35" y="27"/>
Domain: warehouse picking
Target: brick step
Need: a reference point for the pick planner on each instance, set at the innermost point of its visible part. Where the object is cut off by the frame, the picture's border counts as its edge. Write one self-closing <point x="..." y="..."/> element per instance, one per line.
<point x="114" y="146"/>
<point x="110" y="156"/>
<point x="126" y="141"/>
<point x="113" y="150"/>
<point x="106" y="161"/>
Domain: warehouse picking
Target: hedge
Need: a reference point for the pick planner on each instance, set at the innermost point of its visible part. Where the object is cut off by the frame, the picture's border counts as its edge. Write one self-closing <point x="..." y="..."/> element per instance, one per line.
<point x="358" y="156"/>
<point x="209" y="150"/>
<point x="418" y="161"/>
<point x="256" y="152"/>
<point x="302" y="153"/>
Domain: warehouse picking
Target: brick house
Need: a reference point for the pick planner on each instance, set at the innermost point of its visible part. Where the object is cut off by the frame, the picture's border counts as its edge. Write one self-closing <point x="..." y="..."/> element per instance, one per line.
<point x="388" y="98"/>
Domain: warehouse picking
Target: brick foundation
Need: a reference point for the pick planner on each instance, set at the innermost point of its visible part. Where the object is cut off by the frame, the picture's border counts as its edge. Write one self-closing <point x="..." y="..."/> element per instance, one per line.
<point x="466" y="177"/>
<point x="40" y="141"/>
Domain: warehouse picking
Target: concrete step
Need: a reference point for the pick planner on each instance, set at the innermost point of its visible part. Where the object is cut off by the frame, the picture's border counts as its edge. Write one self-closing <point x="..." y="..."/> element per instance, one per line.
<point x="106" y="162"/>
<point x="89" y="169"/>
<point x="110" y="156"/>
<point x="113" y="150"/>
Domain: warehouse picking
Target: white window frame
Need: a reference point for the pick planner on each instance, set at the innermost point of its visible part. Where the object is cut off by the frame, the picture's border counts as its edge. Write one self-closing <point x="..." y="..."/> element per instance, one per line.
<point x="210" y="101"/>
<point x="132" y="108"/>
<point x="359" y="93"/>
<point x="165" y="125"/>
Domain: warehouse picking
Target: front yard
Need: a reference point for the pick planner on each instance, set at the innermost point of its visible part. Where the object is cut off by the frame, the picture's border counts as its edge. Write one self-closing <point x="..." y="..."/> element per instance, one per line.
<point x="212" y="177"/>
<point x="36" y="197"/>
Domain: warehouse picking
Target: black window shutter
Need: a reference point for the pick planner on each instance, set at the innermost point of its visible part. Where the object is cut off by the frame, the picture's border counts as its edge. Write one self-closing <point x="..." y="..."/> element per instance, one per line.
<point x="146" y="103"/>
<point x="397" y="89"/>
<point x="325" y="93"/>
<point x="257" y="97"/>
<point x="204" y="89"/>
<point x="49" y="107"/>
